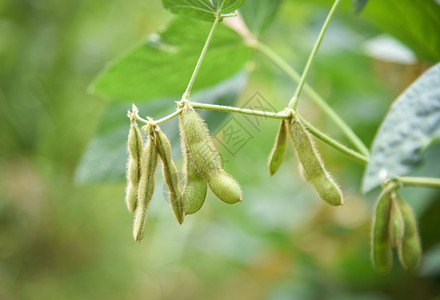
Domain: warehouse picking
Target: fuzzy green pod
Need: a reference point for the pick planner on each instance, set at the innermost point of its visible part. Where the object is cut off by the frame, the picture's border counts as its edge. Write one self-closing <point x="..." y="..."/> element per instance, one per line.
<point x="411" y="249"/>
<point x="225" y="187"/>
<point x="139" y="223"/>
<point x="133" y="165"/>
<point x="381" y="254"/>
<point x="277" y="154"/>
<point x="397" y="226"/>
<point x="146" y="186"/>
<point x="311" y="161"/>
<point x="134" y="140"/>
<point x="170" y="174"/>
<point x="202" y="153"/>
<point x="194" y="194"/>
<point x="197" y="142"/>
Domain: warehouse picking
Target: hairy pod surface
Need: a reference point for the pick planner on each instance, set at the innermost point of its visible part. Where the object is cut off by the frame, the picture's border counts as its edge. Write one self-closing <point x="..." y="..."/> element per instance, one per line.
<point x="276" y="156"/>
<point x="202" y="153"/>
<point x="381" y="254"/>
<point x="198" y="143"/>
<point x="131" y="198"/>
<point x="397" y="226"/>
<point x="411" y="249"/>
<point x="140" y="219"/>
<point x="225" y="187"/>
<point x="133" y="170"/>
<point x="146" y="186"/>
<point x="170" y="174"/>
<point x="194" y="194"/>
<point x="313" y="166"/>
<point x="133" y="165"/>
<point x="134" y="141"/>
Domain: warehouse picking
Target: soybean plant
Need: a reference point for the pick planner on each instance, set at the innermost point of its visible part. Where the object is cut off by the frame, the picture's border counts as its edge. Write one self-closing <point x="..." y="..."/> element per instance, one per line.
<point x="394" y="225"/>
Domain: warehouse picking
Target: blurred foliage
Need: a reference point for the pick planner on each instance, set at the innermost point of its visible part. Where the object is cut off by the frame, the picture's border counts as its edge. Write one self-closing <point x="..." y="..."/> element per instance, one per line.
<point x="61" y="241"/>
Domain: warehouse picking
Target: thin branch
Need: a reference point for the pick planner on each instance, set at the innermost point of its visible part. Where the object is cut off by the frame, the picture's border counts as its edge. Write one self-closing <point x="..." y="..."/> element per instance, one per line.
<point x="259" y="113"/>
<point x="340" y="123"/>
<point x="201" y="58"/>
<point x="294" y="101"/>
<point x="420" y="182"/>
<point x="335" y="144"/>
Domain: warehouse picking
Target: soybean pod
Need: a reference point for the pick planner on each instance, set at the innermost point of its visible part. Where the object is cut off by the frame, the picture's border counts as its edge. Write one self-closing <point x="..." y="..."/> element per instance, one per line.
<point x="381" y="254"/>
<point x="411" y="249"/>
<point x="170" y="174"/>
<point x="397" y="226"/>
<point x="277" y="154"/>
<point x="133" y="165"/>
<point x="202" y="153"/>
<point x="314" y="170"/>
<point x="146" y="185"/>
<point x="194" y="194"/>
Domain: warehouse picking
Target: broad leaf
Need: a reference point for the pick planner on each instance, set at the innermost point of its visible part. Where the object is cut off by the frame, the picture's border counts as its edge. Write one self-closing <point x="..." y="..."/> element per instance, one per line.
<point x="163" y="65"/>
<point x="228" y="6"/>
<point x="359" y="5"/>
<point x="106" y="155"/>
<point x="415" y="22"/>
<point x="259" y="14"/>
<point x="202" y="9"/>
<point x="412" y="123"/>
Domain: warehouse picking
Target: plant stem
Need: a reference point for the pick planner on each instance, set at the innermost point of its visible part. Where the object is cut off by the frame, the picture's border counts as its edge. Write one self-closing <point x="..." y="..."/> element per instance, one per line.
<point x="169" y="117"/>
<point x="282" y="115"/>
<point x="340" y="123"/>
<point x="420" y="182"/>
<point x="405" y="181"/>
<point x="259" y="113"/>
<point x="294" y="101"/>
<point x="335" y="144"/>
<point x="202" y="56"/>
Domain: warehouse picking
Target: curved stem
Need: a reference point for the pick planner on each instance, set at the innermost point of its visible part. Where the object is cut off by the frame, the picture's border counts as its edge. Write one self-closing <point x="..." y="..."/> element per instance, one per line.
<point x="265" y="114"/>
<point x="283" y="115"/>
<point x="340" y="123"/>
<point x="420" y="182"/>
<point x="405" y="181"/>
<point x="335" y="144"/>
<point x="169" y="117"/>
<point x="202" y="56"/>
<point x="295" y="98"/>
<point x="259" y="113"/>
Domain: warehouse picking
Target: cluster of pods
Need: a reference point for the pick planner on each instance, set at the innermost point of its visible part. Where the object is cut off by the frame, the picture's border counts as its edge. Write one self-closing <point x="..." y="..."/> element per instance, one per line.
<point x="394" y="224"/>
<point x="202" y="166"/>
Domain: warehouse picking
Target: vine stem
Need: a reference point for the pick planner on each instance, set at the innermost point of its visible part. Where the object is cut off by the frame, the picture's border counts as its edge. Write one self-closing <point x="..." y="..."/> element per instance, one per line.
<point x="340" y="123"/>
<point x="358" y="157"/>
<point x="420" y="182"/>
<point x="201" y="57"/>
<point x="295" y="99"/>
<point x="335" y="144"/>
<point x="279" y="115"/>
<point x="169" y="117"/>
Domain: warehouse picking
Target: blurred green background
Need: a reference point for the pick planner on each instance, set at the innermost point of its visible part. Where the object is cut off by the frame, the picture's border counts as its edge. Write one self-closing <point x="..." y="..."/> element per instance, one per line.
<point x="64" y="240"/>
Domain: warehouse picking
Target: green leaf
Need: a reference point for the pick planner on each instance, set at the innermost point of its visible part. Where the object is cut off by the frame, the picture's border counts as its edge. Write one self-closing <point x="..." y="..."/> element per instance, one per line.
<point x="105" y="157"/>
<point x="359" y="5"/>
<point x="259" y="14"/>
<point x="412" y="123"/>
<point x="228" y="6"/>
<point x="163" y="65"/>
<point x="415" y="22"/>
<point x="202" y="9"/>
